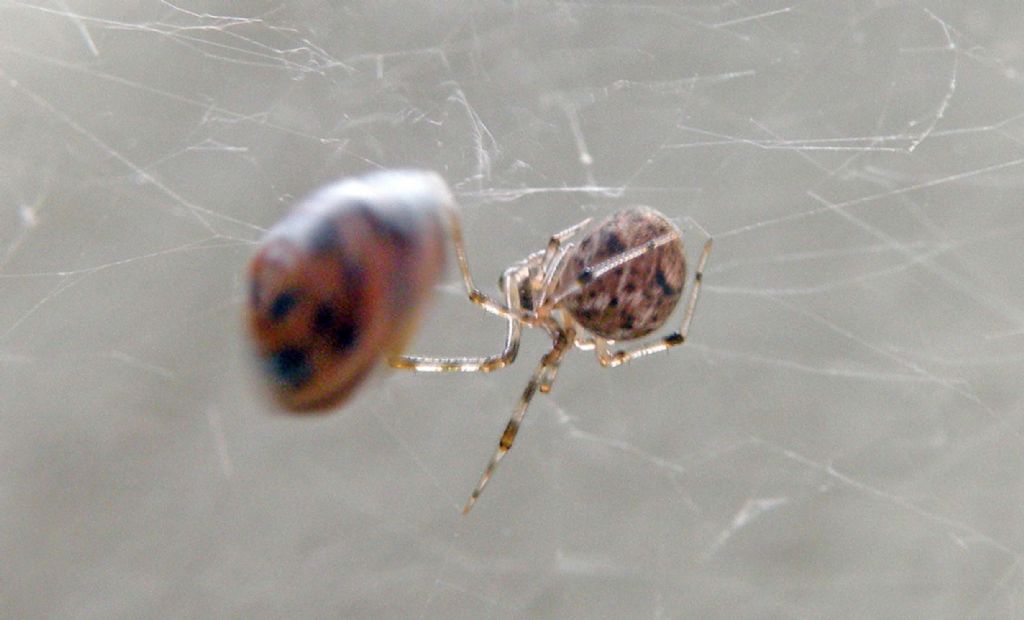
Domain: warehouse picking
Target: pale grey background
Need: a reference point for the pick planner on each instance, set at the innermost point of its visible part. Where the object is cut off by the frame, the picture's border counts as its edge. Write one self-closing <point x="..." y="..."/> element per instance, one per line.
<point x="841" y="439"/>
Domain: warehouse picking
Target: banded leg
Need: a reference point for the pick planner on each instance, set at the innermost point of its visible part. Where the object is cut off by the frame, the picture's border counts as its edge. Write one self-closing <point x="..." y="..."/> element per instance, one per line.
<point x="548" y="378"/>
<point x="581" y="342"/>
<point x="610" y="360"/>
<point x="553" y="357"/>
<point x="477" y="296"/>
<point x="510" y="283"/>
<point x="551" y="252"/>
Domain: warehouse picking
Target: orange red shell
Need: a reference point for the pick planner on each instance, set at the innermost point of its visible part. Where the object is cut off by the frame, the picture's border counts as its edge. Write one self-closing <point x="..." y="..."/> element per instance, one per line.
<point x="636" y="297"/>
<point x="342" y="280"/>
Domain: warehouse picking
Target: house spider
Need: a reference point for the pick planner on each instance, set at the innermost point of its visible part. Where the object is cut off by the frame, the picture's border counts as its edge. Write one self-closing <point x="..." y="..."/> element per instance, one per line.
<point x="342" y="280"/>
<point x="619" y="280"/>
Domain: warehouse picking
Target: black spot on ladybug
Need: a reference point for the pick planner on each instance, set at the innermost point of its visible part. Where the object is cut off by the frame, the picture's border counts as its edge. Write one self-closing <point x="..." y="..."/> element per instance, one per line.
<point x="282" y="305"/>
<point x="343" y="329"/>
<point x="290" y="367"/>
<point x="345" y="335"/>
<point x="323" y="318"/>
<point x="325" y="238"/>
<point x="340" y="330"/>
<point x="399" y="227"/>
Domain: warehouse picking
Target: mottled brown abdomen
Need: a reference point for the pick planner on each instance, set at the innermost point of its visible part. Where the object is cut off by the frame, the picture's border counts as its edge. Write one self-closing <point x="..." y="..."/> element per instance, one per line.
<point x="636" y="297"/>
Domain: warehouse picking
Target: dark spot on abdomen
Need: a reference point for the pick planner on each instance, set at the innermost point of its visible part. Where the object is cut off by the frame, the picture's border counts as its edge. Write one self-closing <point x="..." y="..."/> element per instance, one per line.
<point x="613" y="245"/>
<point x="526" y="298"/>
<point x="659" y="277"/>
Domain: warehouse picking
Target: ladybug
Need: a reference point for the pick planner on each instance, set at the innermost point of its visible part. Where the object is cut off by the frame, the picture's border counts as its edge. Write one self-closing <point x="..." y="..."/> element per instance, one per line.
<point x="341" y="282"/>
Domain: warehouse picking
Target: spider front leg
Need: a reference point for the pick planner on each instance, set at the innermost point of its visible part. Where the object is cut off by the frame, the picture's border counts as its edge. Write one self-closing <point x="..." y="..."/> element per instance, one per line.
<point x="551" y="359"/>
<point x="551" y="252"/>
<point x="476" y="296"/>
<point x="610" y="360"/>
<point x="510" y="282"/>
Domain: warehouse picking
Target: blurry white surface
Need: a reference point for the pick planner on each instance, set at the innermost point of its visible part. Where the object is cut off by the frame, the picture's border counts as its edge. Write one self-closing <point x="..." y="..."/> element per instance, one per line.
<point x="842" y="437"/>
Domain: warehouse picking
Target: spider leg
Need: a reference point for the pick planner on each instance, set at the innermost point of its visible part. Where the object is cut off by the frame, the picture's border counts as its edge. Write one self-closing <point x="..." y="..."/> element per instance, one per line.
<point x="550" y="259"/>
<point x="555" y="243"/>
<point x="610" y="360"/>
<point x="548" y="378"/>
<point x="569" y="326"/>
<point x="512" y="311"/>
<point x="560" y="237"/>
<point x="510" y="283"/>
<point x="552" y="358"/>
<point x="476" y="296"/>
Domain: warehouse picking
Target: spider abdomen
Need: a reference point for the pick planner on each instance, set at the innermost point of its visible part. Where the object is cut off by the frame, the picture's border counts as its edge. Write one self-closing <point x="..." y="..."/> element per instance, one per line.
<point x="634" y="298"/>
<point x="340" y="282"/>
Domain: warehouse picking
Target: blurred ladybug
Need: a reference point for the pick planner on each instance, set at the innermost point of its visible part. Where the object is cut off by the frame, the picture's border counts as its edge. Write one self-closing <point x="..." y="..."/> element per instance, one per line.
<point x="341" y="282"/>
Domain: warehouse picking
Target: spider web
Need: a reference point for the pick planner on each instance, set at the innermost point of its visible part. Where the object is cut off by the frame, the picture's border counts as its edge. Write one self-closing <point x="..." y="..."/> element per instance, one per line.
<point x="841" y="437"/>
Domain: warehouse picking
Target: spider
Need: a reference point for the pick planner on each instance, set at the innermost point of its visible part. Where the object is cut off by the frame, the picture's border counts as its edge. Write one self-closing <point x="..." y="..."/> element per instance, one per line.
<point x="593" y="285"/>
<point x="343" y="279"/>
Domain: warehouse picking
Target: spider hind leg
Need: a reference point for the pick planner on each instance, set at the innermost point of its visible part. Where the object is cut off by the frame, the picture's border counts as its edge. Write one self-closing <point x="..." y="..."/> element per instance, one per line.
<point x="536" y="383"/>
<point x="610" y="360"/>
